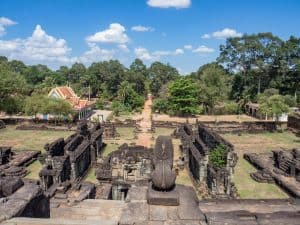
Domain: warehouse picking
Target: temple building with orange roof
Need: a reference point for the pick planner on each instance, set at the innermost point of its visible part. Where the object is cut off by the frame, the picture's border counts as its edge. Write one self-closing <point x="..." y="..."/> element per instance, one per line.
<point x="82" y="107"/>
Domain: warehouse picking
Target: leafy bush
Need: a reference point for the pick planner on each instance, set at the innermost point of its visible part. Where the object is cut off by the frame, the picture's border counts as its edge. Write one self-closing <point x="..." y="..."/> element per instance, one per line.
<point x="231" y="108"/>
<point x="100" y="103"/>
<point x="160" y="105"/>
<point x="290" y="100"/>
<point x="218" y="156"/>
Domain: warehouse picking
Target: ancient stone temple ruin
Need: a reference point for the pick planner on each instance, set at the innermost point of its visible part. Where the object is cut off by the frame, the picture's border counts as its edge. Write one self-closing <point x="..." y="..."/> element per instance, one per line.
<point x="22" y="198"/>
<point x="197" y="145"/>
<point x="127" y="164"/>
<point x="280" y="167"/>
<point x="68" y="160"/>
<point x="123" y="167"/>
<point x="13" y="164"/>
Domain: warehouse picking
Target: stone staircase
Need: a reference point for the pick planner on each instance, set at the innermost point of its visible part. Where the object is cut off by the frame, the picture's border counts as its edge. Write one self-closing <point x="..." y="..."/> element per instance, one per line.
<point x="87" y="212"/>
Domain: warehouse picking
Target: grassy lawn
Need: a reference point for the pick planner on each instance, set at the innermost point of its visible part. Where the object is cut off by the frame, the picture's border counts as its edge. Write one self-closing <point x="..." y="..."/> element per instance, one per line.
<point x="29" y="139"/>
<point x="126" y="133"/>
<point x="110" y="147"/>
<point x="163" y="131"/>
<point x="248" y="188"/>
<point x="34" y="169"/>
<point x="91" y="176"/>
<point x="258" y="143"/>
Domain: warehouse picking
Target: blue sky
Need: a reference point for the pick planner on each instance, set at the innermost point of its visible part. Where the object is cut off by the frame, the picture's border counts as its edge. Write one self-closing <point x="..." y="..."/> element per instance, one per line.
<point x="185" y="33"/>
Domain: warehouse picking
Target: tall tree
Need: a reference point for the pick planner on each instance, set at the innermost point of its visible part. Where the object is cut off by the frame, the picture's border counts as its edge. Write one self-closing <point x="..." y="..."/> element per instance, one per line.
<point x="161" y="74"/>
<point x="213" y="84"/>
<point x="182" y="97"/>
<point x="251" y="53"/>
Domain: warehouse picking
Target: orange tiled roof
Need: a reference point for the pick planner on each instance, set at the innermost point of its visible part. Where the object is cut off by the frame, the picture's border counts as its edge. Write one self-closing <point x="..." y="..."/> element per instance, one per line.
<point x="69" y="95"/>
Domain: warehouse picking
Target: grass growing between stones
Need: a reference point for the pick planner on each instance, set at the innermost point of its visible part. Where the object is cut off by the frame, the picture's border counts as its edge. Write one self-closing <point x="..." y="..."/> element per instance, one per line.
<point x="258" y="143"/>
<point x="29" y="139"/>
<point x="34" y="169"/>
<point x="110" y="147"/>
<point x="91" y="176"/>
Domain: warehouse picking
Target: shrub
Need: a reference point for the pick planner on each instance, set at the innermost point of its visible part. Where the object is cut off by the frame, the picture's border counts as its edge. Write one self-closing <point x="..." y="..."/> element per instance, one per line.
<point x="218" y="156"/>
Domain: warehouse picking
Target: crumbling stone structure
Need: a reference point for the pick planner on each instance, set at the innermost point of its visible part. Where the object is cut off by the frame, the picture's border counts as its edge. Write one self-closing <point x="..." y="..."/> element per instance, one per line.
<point x="5" y="155"/>
<point x="22" y="198"/>
<point x="196" y="147"/>
<point x="280" y="167"/>
<point x="294" y="122"/>
<point x="2" y="124"/>
<point x="68" y="160"/>
<point x="13" y="164"/>
<point x="127" y="164"/>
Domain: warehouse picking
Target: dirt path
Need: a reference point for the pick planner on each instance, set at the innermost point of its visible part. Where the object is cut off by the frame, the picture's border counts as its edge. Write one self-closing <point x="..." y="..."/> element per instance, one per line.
<point x="145" y="136"/>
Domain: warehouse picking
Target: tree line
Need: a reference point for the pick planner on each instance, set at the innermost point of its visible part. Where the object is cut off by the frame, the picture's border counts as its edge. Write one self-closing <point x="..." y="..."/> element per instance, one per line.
<point x="248" y="68"/>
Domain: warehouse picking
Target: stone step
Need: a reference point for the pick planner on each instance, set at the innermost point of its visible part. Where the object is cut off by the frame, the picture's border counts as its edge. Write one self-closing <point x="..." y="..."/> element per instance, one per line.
<point x="91" y="209"/>
<point x="53" y="221"/>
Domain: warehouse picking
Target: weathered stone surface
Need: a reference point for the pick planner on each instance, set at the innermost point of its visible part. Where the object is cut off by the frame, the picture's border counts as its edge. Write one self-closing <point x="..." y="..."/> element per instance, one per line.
<point x="196" y="146"/>
<point x="68" y="160"/>
<point x="281" y="166"/>
<point x="28" y="201"/>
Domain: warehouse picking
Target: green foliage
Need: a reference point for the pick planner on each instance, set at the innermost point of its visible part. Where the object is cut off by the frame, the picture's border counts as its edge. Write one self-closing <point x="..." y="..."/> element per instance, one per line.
<point x="273" y="106"/>
<point x="42" y="104"/>
<point x="213" y="84"/>
<point x="160" y="105"/>
<point x="231" y="108"/>
<point x="161" y="74"/>
<point x="100" y="103"/>
<point x="128" y="98"/>
<point x="290" y="101"/>
<point x="182" y="97"/>
<point x="263" y="61"/>
<point x="218" y="156"/>
<point x="12" y="89"/>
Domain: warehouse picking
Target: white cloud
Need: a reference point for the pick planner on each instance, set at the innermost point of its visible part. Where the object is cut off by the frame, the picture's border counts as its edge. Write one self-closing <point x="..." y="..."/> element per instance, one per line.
<point x="179" y="51"/>
<point x="115" y="34"/>
<point x="226" y="33"/>
<point x="203" y="49"/>
<point x="144" y="54"/>
<point x="205" y="36"/>
<point x="95" y="53"/>
<point x="188" y="47"/>
<point x="45" y="49"/>
<point x="123" y="47"/>
<point x="39" y="47"/>
<point x="169" y="3"/>
<point x="5" y="22"/>
<point x="140" y="28"/>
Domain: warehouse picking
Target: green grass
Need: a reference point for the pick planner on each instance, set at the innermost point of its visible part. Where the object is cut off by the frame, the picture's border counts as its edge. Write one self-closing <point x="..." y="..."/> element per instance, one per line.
<point x="126" y="133"/>
<point x="163" y="131"/>
<point x="91" y="176"/>
<point x="258" y="143"/>
<point x="34" y="169"/>
<point x="110" y="147"/>
<point x="29" y="139"/>
<point x="250" y="189"/>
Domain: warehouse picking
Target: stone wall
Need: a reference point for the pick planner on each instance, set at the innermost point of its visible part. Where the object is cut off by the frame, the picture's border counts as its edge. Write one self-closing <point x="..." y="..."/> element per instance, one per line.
<point x="68" y="160"/>
<point x="2" y="124"/>
<point x="294" y="122"/>
<point x="22" y="198"/>
<point x="127" y="164"/>
<point x="229" y="126"/>
<point x="196" y="146"/>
